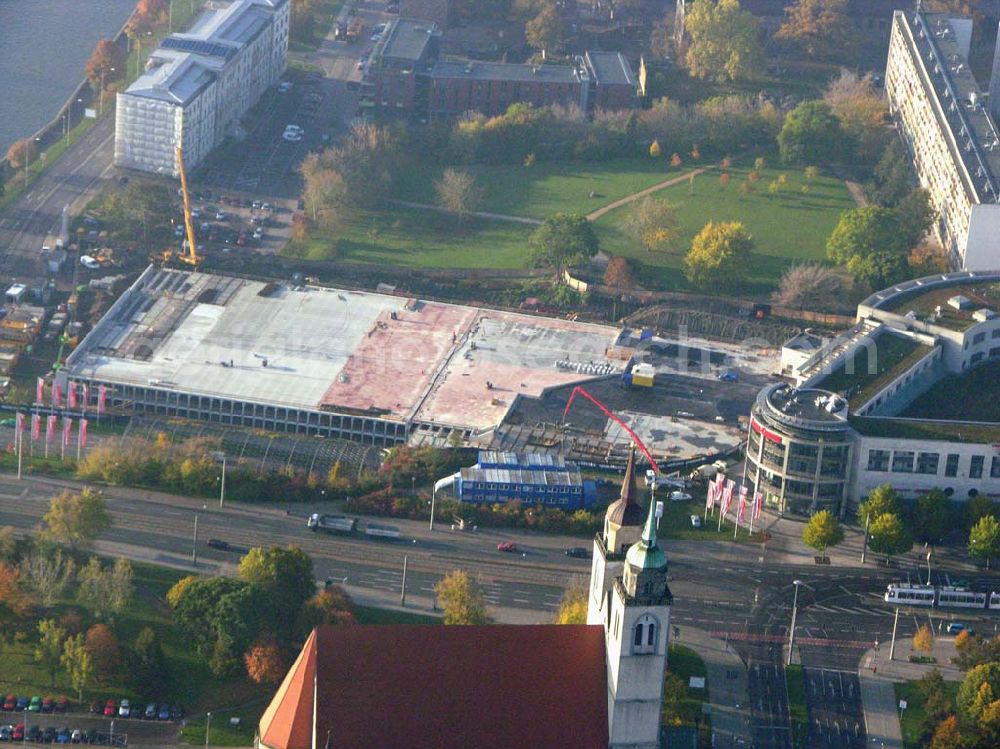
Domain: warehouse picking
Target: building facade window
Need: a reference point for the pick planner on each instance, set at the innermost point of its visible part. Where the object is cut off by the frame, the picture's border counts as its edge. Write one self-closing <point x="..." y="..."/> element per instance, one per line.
<point x="902" y="461"/>
<point x="976" y="466"/>
<point x="978" y="338"/>
<point x="927" y="463"/>
<point x="878" y="460"/>
<point x="951" y="465"/>
<point x="995" y="467"/>
<point x="644" y="635"/>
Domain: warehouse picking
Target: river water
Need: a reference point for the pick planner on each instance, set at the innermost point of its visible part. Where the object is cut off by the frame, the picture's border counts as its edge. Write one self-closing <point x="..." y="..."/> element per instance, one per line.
<point x="44" y="45"/>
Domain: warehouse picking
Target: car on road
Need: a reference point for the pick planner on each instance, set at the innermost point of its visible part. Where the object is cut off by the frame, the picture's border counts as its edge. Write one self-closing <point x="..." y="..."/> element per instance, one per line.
<point x="90" y="263"/>
<point x="35" y="706"/>
<point x="507" y="546"/>
<point x="291" y="137"/>
<point x="578" y="552"/>
<point x="284" y="87"/>
<point x="955" y="628"/>
<point x="730" y="375"/>
<point x="695" y="521"/>
<point x="214" y="543"/>
<point x="125" y="709"/>
<point x="110" y="708"/>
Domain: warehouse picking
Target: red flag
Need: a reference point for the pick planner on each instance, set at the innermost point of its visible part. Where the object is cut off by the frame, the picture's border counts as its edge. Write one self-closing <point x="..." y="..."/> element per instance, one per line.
<point x="86" y="394"/>
<point x="36" y="427"/>
<point x="83" y="433"/>
<point x="71" y="394"/>
<point x="102" y="398"/>
<point x="743" y="504"/>
<point x="39" y="390"/>
<point x="57" y="395"/>
<point x="710" y="498"/>
<point x="67" y="430"/>
<point x="727" y="496"/>
<point x="50" y="428"/>
<point x="18" y="425"/>
<point x="758" y="500"/>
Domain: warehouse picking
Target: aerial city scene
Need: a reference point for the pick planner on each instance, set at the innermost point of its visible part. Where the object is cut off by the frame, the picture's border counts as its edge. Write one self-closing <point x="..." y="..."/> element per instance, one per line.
<point x="476" y="374"/>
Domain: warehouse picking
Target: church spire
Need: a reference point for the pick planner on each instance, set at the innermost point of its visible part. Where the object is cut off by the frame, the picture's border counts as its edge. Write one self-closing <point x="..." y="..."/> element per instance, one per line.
<point x="645" y="554"/>
<point x="649" y="531"/>
<point x="626" y="511"/>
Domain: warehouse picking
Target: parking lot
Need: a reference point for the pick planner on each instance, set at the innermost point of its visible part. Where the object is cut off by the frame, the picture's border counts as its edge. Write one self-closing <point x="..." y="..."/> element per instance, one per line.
<point x="76" y="727"/>
<point x="230" y="222"/>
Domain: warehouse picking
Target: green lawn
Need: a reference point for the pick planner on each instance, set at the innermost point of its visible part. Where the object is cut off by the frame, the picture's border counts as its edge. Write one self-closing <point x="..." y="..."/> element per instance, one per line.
<point x="913" y="716"/>
<point x="685" y="663"/>
<point x="418" y="239"/>
<point x="372" y="615"/>
<point x="798" y="713"/>
<point x="543" y="189"/>
<point x="973" y="395"/>
<point x="787" y="227"/>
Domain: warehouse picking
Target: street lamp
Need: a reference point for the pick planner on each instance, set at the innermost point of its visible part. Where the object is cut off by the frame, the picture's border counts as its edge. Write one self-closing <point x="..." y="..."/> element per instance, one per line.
<point x="434" y="492"/>
<point x="68" y="117"/>
<point x="100" y="104"/>
<point x="219" y="455"/>
<point x="208" y="727"/>
<point x="791" y="632"/>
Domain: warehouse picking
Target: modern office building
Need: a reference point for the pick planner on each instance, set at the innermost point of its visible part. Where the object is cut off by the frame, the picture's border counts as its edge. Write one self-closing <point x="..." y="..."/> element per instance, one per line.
<point x="198" y="84"/>
<point x="949" y="126"/>
<point x="906" y="397"/>
<point x="406" y="77"/>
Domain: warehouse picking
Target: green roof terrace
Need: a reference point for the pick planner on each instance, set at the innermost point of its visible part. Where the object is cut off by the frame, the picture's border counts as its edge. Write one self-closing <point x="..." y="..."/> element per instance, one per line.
<point x="893" y="355"/>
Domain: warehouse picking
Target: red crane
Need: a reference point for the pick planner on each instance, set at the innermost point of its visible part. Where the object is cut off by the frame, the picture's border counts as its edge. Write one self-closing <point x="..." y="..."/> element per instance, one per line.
<point x="607" y="412"/>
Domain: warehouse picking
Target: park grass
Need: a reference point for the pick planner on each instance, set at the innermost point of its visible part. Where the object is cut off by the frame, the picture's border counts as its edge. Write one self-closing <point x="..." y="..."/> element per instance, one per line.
<point x="542" y="189"/>
<point x="788" y="227"/>
<point x="913" y="717"/>
<point x="420" y="239"/>
<point x="798" y="713"/>
<point x="376" y="616"/>
<point x="685" y="663"/>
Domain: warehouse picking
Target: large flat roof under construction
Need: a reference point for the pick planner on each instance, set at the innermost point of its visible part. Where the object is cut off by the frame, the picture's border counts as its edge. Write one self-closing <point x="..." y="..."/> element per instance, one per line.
<point x="315" y="348"/>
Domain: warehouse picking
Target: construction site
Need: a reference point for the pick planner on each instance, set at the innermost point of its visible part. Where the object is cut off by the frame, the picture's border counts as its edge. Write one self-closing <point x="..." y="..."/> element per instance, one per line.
<point x="375" y="368"/>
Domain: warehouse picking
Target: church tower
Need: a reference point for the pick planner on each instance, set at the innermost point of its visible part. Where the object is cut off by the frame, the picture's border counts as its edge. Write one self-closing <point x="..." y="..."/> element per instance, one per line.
<point x="622" y="528"/>
<point x="636" y="636"/>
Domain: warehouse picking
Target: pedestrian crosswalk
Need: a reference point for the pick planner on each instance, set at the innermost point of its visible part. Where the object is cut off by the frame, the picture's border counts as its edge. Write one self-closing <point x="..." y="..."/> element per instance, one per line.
<point x="853" y="610"/>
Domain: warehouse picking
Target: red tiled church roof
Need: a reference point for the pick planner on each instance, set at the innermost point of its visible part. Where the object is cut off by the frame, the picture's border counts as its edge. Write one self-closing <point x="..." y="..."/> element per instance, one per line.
<point x="435" y="687"/>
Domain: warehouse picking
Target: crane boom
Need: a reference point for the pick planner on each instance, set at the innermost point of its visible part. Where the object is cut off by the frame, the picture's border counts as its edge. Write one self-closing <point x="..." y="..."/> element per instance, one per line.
<point x="191" y="257"/>
<point x="610" y="414"/>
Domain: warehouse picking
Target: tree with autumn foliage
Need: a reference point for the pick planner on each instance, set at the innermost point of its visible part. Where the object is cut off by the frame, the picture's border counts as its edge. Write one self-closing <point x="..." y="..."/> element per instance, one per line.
<point x="461" y="599"/>
<point x="573" y="607"/>
<point x="22" y="153"/>
<point x="619" y="273"/>
<point x="106" y="63"/>
<point x="653" y="224"/>
<point x="330" y="606"/>
<point x="105" y="652"/>
<point x="822" y="29"/>
<point x="15" y="603"/>
<point x="264" y="662"/>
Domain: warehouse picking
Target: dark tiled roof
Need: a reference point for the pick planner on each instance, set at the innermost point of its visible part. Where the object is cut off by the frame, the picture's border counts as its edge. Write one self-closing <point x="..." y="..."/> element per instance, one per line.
<point x="626" y="510"/>
<point x="435" y="687"/>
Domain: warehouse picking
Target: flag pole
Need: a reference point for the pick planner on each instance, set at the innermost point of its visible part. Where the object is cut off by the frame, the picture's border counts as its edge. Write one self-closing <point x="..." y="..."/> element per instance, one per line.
<point x="736" y="525"/>
<point x="20" y="452"/>
<point x="722" y="504"/>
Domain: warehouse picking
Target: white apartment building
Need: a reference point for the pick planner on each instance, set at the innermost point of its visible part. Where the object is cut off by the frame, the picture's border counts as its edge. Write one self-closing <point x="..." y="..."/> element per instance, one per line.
<point x="951" y="134"/>
<point x="198" y="84"/>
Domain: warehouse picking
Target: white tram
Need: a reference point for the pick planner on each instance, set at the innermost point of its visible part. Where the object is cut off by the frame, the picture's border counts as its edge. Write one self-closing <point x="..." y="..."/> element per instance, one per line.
<point x="945" y="596"/>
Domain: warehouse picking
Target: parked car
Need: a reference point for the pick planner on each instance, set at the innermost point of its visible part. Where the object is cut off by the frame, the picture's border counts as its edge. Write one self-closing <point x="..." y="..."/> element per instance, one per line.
<point x="61" y="705"/>
<point x="151" y="711"/>
<point x="730" y="375"/>
<point x="176" y="712"/>
<point x="578" y="552"/>
<point x="22" y="704"/>
<point x="62" y="737"/>
<point x="219" y="544"/>
<point x="90" y="736"/>
<point x="76" y="737"/>
<point x="46" y="705"/>
<point x="49" y="735"/>
<point x="33" y="734"/>
<point x="35" y="706"/>
<point x="6" y="732"/>
<point x="695" y="521"/>
<point x="164" y="713"/>
<point x="9" y="702"/>
<point x="110" y="708"/>
<point x="956" y="627"/>
<point x="97" y="707"/>
<point x="125" y="709"/>
<point x="506" y="546"/>
<point x="679" y="496"/>
<point x="18" y="733"/>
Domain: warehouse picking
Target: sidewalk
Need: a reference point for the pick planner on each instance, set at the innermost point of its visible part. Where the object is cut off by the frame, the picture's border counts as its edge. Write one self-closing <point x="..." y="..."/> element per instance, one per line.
<point x="878" y="674"/>
<point x="727" y="702"/>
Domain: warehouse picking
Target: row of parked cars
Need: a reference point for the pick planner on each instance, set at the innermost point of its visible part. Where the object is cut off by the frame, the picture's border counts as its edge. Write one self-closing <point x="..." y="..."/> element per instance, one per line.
<point x="51" y="735"/>
<point x="125" y="709"/>
<point x="36" y="704"/>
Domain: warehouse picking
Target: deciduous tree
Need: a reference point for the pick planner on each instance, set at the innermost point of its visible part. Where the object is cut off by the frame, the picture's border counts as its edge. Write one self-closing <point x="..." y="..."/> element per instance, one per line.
<point x="820" y="28"/>
<point x="176" y="592"/>
<point x="14" y="603"/>
<point x="48" y="573"/>
<point x="889" y="536"/>
<point x="330" y="606"/>
<point x="718" y="254"/>
<point x="947" y="735"/>
<point x="869" y="242"/>
<point x="564" y="239"/>
<point x="546" y="31"/>
<point x="933" y="516"/>
<point x="862" y="112"/>
<point x="48" y="651"/>
<point x="880" y="501"/>
<point x="923" y="640"/>
<point x="107" y="60"/>
<point x="822" y="531"/>
<point x="22" y="153"/>
<point x="77" y="661"/>
<point x="76" y="520"/>
<point x="147" y="665"/>
<point x="285" y="575"/>
<point x="264" y="662"/>
<point x="977" y="508"/>
<point x="811" y="286"/>
<point x="915" y="216"/>
<point x="619" y="273"/>
<point x="573" y="607"/>
<point x="812" y="133"/>
<point x="458" y="193"/>
<point x="978" y="688"/>
<point x="8" y="544"/>
<point x="724" y="41"/>
<point x="652" y="223"/>
<point x="461" y="600"/>
<point x="105" y="654"/>
<point x="984" y="541"/>
<point x="105" y="590"/>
